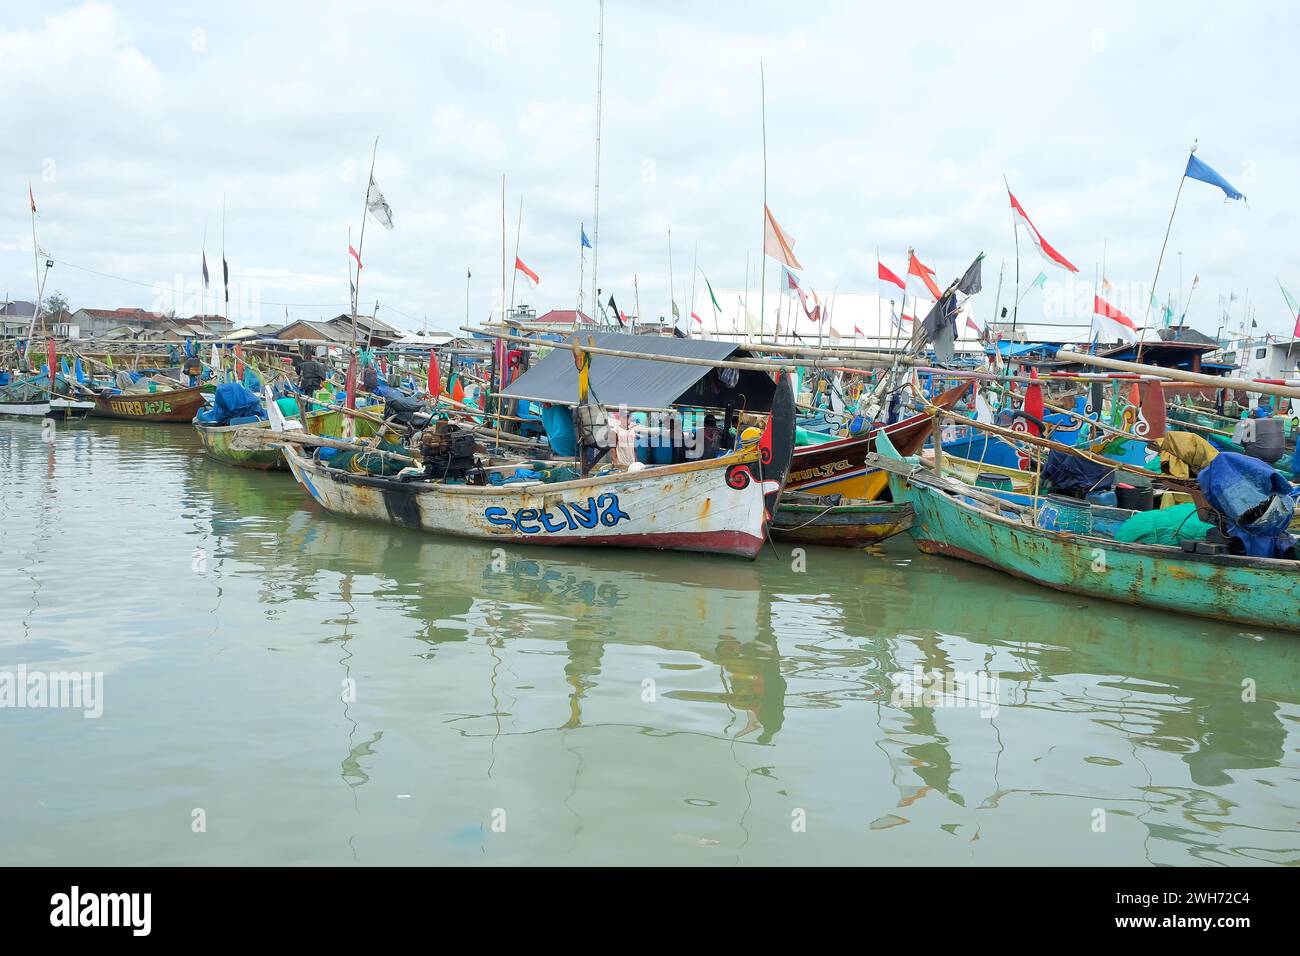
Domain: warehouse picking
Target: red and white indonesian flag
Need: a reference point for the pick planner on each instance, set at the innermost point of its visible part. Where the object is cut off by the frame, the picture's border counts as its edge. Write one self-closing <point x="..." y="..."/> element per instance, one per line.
<point x="1044" y="247"/>
<point x="889" y="282"/>
<point x="1112" y="321"/>
<point x="529" y="274"/>
<point x="924" y="277"/>
<point x="777" y="243"/>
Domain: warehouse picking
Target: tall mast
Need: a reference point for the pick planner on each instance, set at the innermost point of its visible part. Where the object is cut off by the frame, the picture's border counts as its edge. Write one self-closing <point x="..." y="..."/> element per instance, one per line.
<point x="595" y="228"/>
<point x="762" y="255"/>
<point x="361" y="242"/>
<point x="519" y="228"/>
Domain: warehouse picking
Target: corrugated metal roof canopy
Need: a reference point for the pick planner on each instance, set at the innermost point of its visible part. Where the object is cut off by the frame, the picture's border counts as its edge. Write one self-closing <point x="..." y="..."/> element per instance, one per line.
<point x="644" y="383"/>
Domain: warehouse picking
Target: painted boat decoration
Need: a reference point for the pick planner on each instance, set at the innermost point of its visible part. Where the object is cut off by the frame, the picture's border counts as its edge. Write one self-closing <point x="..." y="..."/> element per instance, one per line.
<point x="811" y="519"/>
<point x="958" y="521"/>
<point x="223" y="442"/>
<point x="839" y="467"/>
<point x="718" y="505"/>
<point x="172" y="405"/>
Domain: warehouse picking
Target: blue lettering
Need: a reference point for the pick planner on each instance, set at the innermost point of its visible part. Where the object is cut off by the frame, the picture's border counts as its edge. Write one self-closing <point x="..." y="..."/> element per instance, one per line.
<point x="529" y="515"/>
<point x="586" y="516"/>
<point x="546" y="520"/>
<point x="498" y="517"/>
<point x="613" y="514"/>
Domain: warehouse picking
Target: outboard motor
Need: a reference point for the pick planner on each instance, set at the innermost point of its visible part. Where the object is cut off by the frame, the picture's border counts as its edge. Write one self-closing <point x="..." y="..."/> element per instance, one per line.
<point x="448" y="453"/>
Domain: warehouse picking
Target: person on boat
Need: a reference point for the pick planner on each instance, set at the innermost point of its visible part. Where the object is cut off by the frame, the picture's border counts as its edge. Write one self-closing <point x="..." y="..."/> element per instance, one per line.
<point x="311" y="374"/>
<point x="369" y="378"/>
<point x="714" y="437"/>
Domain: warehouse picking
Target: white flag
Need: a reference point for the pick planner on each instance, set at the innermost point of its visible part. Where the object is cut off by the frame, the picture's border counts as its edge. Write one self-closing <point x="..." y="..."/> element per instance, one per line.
<point x="378" y="206"/>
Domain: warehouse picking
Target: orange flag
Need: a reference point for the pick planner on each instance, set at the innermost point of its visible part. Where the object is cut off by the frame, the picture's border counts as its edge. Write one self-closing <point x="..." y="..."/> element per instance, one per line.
<point x="924" y="273"/>
<point x="777" y="243"/>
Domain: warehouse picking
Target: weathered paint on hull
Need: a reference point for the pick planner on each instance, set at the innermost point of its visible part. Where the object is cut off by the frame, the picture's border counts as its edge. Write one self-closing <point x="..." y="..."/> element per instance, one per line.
<point x="25" y="409"/>
<point x="175" y="405"/>
<point x="715" y="506"/>
<point x="1256" y="591"/>
<point x="843" y="526"/>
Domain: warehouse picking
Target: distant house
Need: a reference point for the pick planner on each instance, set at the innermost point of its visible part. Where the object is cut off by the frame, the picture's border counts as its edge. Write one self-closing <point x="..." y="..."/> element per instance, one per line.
<point x="315" y="331"/>
<point x="16" y="318"/>
<point x="94" y="322"/>
<point x="565" y="317"/>
<point x="369" y="329"/>
<point x="212" y="324"/>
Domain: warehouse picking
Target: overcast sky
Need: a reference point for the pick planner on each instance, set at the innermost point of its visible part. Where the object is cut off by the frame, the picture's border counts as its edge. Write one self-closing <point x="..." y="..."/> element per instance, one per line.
<point x="889" y="125"/>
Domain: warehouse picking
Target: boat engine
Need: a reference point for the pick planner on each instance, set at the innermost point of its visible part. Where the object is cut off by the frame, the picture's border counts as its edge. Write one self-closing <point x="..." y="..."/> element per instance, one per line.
<point x="407" y="411"/>
<point x="448" y="454"/>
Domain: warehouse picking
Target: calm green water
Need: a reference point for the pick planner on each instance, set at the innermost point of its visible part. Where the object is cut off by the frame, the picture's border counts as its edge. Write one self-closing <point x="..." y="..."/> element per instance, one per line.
<point x="607" y="707"/>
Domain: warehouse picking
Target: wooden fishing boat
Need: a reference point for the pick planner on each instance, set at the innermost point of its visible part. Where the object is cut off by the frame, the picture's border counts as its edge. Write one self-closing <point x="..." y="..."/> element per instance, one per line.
<point x="719" y="505"/>
<point x="839" y="467"/>
<point x="170" y="405"/>
<point x="959" y="521"/>
<point x="834" y="521"/>
<point x="229" y="444"/>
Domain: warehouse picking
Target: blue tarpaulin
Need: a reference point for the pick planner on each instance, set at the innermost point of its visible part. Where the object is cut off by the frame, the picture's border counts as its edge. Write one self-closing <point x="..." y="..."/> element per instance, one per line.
<point x="232" y="401"/>
<point x="1256" y="501"/>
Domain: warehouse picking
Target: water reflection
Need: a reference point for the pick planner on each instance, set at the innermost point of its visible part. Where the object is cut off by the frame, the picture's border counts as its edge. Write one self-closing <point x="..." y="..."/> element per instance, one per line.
<point x="605" y="683"/>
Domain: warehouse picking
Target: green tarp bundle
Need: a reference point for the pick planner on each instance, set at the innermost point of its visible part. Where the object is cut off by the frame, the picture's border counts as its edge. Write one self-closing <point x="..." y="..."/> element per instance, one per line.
<point x="1167" y="526"/>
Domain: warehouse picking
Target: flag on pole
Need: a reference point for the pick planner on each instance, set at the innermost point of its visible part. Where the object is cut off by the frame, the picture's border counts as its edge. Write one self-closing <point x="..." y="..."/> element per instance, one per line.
<point x="613" y="307"/>
<point x="887" y="278"/>
<point x="1105" y="285"/>
<point x="435" y="376"/>
<point x="1294" y="306"/>
<point x="712" y="298"/>
<point x="1199" y="171"/>
<point x="205" y="270"/>
<point x="1113" y="320"/>
<point x="32" y="197"/>
<point x="777" y="243"/>
<point x="1044" y="247"/>
<point x="355" y="255"/>
<point x="225" y="276"/>
<point x="1040" y="281"/>
<point x="586" y="243"/>
<point x="697" y="318"/>
<point x="529" y="274"/>
<point x="924" y="273"/>
<point x="378" y="206"/>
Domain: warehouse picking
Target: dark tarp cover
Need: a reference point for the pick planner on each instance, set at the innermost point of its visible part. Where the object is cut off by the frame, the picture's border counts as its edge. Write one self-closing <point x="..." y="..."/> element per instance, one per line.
<point x="1076" y="475"/>
<point x="644" y="383"/>
<point x="1255" y="499"/>
<point x="231" y="400"/>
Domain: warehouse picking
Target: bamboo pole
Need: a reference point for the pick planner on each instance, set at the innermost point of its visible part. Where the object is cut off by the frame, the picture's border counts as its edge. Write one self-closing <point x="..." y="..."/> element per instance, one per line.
<point x="1195" y="378"/>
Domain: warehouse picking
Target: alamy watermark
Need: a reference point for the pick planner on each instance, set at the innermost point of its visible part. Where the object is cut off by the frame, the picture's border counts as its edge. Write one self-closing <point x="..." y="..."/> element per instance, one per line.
<point x="79" y="690"/>
<point x="935" y="688"/>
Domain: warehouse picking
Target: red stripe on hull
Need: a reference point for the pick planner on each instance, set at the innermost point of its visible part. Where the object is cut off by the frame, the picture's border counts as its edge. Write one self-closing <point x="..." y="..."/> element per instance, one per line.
<point x="712" y="542"/>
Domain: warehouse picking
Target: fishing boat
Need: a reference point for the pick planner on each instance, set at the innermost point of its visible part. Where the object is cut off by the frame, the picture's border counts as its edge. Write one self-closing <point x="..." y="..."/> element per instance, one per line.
<point x="956" y="520"/>
<point x="839" y="467"/>
<point x="164" y="405"/>
<point x="231" y="443"/>
<point x="832" y="520"/>
<point x="718" y="505"/>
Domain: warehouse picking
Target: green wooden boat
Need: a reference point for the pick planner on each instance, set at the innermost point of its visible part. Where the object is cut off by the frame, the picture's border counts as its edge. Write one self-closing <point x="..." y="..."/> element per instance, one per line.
<point x="838" y="522"/>
<point x="959" y="521"/>
<point x="219" y="441"/>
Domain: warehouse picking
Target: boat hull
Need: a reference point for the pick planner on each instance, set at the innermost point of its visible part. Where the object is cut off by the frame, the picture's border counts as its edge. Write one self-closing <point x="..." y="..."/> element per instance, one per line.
<point x="175" y="405"/>
<point x="220" y="442"/>
<point x="851" y="525"/>
<point x="840" y="468"/>
<point x="1261" y="592"/>
<point x="25" y="409"/>
<point x="714" y="506"/>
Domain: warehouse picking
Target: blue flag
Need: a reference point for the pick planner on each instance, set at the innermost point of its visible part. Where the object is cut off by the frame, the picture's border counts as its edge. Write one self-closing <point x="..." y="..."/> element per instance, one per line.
<point x="585" y="243"/>
<point x="1198" y="170"/>
<point x="79" y="371"/>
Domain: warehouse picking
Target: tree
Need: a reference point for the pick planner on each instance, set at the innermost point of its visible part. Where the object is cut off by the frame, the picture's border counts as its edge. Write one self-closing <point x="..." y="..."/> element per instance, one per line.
<point x="56" y="303"/>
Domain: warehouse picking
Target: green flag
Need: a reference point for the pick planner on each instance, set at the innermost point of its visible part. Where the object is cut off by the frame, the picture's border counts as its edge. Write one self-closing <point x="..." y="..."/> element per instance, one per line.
<point x="716" y="307"/>
<point x="1169" y="314"/>
<point x="1290" y="300"/>
<point x="1039" y="282"/>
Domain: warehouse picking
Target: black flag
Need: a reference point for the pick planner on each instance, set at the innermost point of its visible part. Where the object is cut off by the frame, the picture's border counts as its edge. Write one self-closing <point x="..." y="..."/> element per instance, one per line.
<point x="205" y="270"/>
<point x="971" y="282"/>
<point x="614" y="308"/>
<point x="225" y="277"/>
